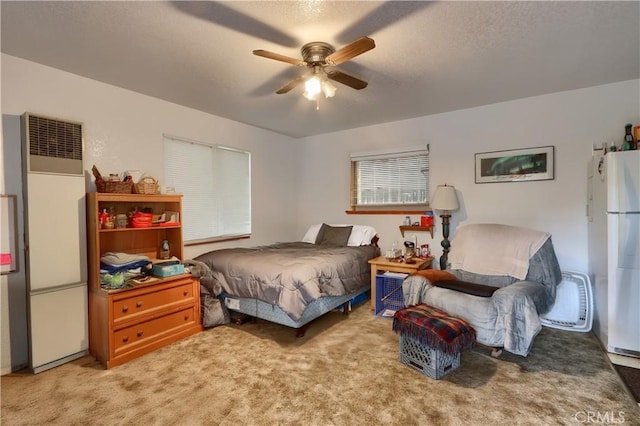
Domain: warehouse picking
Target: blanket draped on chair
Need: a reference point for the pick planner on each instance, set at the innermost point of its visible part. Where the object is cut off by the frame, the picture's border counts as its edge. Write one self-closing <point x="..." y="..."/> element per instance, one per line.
<point x="510" y="248"/>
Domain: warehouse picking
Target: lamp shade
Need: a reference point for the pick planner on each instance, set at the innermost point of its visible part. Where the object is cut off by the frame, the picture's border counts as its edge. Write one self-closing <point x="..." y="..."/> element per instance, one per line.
<point x="445" y="198"/>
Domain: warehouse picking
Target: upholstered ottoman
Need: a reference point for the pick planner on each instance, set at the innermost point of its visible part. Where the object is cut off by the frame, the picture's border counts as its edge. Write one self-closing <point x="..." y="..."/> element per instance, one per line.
<point x="431" y="340"/>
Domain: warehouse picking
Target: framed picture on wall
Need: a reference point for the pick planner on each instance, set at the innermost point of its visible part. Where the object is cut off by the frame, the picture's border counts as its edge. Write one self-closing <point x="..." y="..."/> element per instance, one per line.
<point x="515" y="165"/>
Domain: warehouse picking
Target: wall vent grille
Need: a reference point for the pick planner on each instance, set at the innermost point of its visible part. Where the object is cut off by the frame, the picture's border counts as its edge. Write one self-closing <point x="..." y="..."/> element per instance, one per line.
<point x="53" y="146"/>
<point x="54" y="138"/>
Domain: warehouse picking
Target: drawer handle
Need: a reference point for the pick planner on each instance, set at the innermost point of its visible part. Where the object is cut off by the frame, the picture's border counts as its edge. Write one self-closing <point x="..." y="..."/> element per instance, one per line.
<point x="125" y="339"/>
<point x="138" y="304"/>
<point x="186" y="317"/>
<point x="185" y="293"/>
<point x="139" y="333"/>
<point x="125" y="308"/>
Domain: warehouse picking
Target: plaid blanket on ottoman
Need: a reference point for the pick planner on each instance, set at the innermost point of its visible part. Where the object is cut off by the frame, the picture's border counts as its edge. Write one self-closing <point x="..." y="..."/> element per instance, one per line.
<point x="434" y="328"/>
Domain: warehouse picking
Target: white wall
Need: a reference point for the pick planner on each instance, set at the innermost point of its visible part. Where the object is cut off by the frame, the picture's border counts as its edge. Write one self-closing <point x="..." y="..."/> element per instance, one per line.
<point x="123" y="131"/>
<point x="571" y="121"/>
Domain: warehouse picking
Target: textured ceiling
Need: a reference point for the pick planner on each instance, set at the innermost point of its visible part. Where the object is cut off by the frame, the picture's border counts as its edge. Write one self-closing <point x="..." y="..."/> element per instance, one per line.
<point x="430" y="57"/>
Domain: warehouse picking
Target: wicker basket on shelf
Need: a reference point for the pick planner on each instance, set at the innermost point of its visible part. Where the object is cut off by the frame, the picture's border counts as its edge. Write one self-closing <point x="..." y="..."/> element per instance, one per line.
<point x="109" y="186"/>
<point x="147" y="185"/>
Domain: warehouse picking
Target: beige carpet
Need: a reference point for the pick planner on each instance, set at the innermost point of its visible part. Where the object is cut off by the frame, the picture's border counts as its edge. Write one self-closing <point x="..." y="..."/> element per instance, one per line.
<point x="344" y="372"/>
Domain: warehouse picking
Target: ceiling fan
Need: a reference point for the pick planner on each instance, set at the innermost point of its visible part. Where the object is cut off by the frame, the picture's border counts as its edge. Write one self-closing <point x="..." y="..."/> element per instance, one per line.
<point x="317" y="56"/>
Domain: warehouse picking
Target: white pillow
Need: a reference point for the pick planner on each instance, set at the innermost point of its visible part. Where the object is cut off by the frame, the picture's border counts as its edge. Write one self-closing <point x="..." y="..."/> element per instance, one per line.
<point x="357" y="236"/>
<point x="361" y="235"/>
<point x="312" y="234"/>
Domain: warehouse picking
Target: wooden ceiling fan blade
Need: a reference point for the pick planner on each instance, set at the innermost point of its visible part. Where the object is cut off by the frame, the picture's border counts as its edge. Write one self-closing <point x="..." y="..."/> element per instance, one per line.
<point x="290" y="85"/>
<point x="358" y="47"/>
<point x="347" y="80"/>
<point x="278" y="57"/>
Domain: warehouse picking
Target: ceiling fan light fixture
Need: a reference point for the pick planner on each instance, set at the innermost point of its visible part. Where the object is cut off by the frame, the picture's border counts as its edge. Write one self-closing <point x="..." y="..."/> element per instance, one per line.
<point x="312" y="87"/>
<point x="328" y="89"/>
<point x="317" y="83"/>
<point x="317" y="56"/>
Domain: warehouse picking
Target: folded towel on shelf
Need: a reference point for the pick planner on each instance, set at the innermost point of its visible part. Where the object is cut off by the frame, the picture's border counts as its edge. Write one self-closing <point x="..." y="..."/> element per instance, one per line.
<point x="112" y="269"/>
<point x="116" y="258"/>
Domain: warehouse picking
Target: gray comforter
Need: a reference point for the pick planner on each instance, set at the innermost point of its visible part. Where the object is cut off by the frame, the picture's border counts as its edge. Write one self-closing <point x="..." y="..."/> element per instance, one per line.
<point x="291" y="275"/>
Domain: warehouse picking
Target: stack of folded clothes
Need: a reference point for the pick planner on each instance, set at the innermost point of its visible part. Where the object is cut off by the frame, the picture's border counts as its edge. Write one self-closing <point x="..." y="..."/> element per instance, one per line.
<point x="117" y="268"/>
<point x="114" y="263"/>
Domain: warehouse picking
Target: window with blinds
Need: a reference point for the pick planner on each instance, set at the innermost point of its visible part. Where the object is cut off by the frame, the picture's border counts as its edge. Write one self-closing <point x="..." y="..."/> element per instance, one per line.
<point x="390" y="178"/>
<point x="215" y="182"/>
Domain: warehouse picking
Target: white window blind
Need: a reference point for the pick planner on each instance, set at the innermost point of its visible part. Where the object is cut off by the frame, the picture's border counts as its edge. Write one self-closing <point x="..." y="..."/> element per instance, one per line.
<point x="215" y="182"/>
<point x="390" y="178"/>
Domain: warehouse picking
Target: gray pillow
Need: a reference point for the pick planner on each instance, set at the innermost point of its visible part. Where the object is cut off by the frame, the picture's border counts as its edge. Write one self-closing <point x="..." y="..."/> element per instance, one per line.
<point x="320" y="234"/>
<point x="333" y="235"/>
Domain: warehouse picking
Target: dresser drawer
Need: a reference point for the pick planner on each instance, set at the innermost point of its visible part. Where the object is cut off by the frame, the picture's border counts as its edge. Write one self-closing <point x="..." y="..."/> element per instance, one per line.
<point x="140" y="304"/>
<point x="129" y="338"/>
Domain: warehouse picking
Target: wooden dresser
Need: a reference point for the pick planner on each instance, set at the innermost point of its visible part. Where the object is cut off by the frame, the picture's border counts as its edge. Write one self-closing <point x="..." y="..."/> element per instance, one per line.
<point x="128" y="322"/>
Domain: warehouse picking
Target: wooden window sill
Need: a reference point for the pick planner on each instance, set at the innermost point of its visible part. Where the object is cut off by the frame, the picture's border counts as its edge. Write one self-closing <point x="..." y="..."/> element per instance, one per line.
<point x="217" y="240"/>
<point x="405" y="212"/>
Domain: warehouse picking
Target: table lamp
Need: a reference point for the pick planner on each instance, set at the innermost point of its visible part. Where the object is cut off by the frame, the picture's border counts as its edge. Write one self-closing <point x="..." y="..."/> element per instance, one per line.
<point x="445" y="200"/>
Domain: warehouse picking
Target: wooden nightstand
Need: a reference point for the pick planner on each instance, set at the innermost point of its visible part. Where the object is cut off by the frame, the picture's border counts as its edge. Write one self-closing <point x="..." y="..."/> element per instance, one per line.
<point x="381" y="263"/>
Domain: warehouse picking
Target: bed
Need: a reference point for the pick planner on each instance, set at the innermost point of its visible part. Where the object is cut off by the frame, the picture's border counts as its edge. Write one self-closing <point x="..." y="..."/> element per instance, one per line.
<point x="293" y="283"/>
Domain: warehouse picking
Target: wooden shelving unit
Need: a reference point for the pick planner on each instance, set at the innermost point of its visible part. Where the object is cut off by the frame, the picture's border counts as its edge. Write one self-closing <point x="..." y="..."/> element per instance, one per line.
<point x="405" y="228"/>
<point x="129" y="322"/>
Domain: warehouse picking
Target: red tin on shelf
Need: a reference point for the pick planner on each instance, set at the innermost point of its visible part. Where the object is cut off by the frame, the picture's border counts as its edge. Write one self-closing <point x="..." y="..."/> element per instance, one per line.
<point x="140" y="220"/>
<point x="426" y="219"/>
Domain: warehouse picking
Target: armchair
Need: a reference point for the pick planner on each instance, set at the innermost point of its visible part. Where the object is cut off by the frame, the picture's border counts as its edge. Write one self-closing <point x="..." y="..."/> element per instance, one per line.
<point x="500" y="279"/>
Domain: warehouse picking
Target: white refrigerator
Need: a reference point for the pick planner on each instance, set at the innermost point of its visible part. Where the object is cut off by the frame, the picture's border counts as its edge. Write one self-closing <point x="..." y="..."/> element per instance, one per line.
<point x="614" y="249"/>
